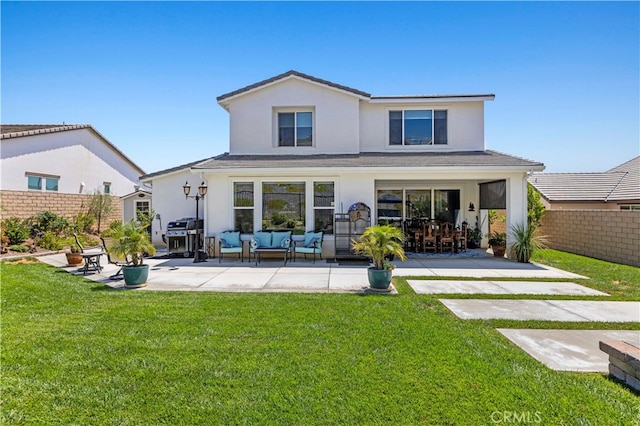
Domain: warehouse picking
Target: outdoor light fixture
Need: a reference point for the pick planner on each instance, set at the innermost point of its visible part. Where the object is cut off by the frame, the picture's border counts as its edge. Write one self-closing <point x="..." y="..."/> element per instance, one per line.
<point x="202" y="191"/>
<point x="472" y="208"/>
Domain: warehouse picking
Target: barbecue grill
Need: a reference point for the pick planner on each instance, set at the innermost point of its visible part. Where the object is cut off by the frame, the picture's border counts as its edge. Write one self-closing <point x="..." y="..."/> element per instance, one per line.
<point x="182" y="235"/>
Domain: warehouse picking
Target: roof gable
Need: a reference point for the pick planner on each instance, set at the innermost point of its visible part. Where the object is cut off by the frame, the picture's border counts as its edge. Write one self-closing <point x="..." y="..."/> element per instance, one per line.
<point x="224" y="99"/>
<point x="13" y="131"/>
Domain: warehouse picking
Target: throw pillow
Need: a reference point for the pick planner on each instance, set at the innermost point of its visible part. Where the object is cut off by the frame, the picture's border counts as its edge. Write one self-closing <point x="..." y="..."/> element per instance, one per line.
<point x="278" y="237"/>
<point x="312" y="242"/>
<point x="232" y="239"/>
<point x="264" y="238"/>
<point x="310" y="236"/>
<point x="254" y="243"/>
<point x="285" y="243"/>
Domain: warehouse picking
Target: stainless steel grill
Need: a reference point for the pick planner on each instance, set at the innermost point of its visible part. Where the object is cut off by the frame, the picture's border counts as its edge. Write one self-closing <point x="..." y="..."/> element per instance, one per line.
<point x="182" y="235"/>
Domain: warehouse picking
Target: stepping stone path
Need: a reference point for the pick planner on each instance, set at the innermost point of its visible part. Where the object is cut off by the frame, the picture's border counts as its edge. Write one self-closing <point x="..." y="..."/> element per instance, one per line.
<point x="564" y="350"/>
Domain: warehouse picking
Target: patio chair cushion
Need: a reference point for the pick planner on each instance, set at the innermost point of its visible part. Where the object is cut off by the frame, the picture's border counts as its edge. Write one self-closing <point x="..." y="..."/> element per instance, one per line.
<point x="281" y="239"/>
<point x="311" y="238"/>
<point x="261" y="239"/>
<point x="230" y="239"/>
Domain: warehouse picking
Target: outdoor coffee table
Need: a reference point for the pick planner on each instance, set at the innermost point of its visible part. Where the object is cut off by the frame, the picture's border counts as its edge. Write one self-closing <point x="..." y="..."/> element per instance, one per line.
<point x="258" y="251"/>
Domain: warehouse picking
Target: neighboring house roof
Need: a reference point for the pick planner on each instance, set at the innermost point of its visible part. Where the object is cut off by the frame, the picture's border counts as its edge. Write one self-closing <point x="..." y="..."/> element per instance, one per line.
<point x="12" y="131"/>
<point x="297" y="74"/>
<point x="403" y="160"/>
<point x="618" y="184"/>
<point x="175" y="169"/>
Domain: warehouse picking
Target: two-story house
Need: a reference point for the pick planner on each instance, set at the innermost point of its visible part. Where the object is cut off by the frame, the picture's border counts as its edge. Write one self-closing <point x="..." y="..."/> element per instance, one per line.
<point x="302" y="149"/>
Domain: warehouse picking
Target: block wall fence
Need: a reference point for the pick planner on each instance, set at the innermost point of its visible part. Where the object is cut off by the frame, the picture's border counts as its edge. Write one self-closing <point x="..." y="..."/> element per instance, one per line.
<point x="24" y="204"/>
<point x="610" y="235"/>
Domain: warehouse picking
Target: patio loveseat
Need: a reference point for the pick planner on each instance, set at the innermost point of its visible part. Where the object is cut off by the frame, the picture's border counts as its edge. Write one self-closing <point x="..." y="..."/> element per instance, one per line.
<point x="262" y="242"/>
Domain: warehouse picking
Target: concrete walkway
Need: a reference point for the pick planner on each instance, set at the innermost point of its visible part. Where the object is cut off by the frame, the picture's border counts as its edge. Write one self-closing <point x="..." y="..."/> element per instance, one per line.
<point x="545" y="310"/>
<point x="569" y="350"/>
<point x="501" y="287"/>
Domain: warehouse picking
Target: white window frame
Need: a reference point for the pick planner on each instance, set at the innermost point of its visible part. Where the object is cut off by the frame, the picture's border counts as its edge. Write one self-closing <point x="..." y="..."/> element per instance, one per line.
<point x="294" y="111"/>
<point x="106" y="188"/>
<point x="313" y="195"/>
<point x="433" y="127"/>
<point x="43" y="181"/>
<point x="234" y="207"/>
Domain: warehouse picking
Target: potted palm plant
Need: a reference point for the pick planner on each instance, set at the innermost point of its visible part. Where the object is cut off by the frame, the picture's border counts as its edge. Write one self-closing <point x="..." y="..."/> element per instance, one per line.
<point x="526" y="241"/>
<point x="133" y="243"/>
<point x="498" y="243"/>
<point x="379" y="243"/>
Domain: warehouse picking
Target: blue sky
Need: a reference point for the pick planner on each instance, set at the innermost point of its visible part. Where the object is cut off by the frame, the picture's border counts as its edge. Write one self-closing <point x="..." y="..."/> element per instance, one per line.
<point x="146" y="75"/>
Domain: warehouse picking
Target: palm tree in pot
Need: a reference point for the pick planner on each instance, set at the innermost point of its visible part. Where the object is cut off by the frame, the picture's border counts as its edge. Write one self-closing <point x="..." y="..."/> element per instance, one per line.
<point x="379" y="243"/>
<point x="133" y="242"/>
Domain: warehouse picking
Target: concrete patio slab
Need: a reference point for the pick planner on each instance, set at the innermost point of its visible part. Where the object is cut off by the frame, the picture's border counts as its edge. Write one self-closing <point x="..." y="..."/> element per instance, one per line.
<point x="569" y="350"/>
<point x="501" y="287"/>
<point x="545" y="310"/>
<point x="234" y="275"/>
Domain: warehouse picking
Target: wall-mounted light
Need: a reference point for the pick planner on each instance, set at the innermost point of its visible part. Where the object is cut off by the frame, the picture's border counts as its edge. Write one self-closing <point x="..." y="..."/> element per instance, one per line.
<point x="472" y="208"/>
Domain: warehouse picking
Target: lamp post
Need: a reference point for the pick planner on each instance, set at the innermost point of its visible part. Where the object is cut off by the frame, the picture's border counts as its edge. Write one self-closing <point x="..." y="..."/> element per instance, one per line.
<point x="202" y="191"/>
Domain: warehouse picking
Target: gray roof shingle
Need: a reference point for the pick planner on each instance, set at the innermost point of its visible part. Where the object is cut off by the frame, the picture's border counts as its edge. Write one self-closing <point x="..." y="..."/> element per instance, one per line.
<point x="373" y="159"/>
<point x="618" y="184"/>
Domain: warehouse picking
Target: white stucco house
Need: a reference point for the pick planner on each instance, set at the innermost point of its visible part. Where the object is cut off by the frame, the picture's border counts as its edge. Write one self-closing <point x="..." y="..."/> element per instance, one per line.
<point x="59" y="163"/>
<point x="302" y="149"/>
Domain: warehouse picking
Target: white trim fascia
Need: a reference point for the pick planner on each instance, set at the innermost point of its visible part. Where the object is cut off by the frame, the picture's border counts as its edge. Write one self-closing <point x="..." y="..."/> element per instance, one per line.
<point x="226" y="101"/>
<point x="326" y="171"/>
<point x="430" y="100"/>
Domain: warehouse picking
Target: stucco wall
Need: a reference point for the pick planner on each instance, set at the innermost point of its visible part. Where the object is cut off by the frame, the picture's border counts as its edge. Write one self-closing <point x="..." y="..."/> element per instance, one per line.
<point x="602" y="234"/>
<point x="24" y="204"/>
<point x="253" y="122"/>
<point x="465" y="126"/>
<point x="81" y="160"/>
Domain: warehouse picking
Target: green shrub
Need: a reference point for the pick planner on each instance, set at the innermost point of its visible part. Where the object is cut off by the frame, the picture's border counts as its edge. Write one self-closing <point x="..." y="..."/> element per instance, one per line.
<point x="51" y="241"/>
<point x="114" y="230"/>
<point x="16" y="230"/>
<point x="19" y="248"/>
<point x="83" y="222"/>
<point x="46" y="221"/>
<point x="278" y="219"/>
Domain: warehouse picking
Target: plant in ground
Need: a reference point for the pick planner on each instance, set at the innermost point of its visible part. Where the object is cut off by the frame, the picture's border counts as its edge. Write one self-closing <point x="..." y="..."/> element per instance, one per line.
<point x="16" y="230"/>
<point x="527" y="240"/>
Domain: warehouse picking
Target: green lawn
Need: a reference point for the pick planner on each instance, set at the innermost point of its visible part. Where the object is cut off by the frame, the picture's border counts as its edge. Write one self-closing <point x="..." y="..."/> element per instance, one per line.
<point x="76" y="352"/>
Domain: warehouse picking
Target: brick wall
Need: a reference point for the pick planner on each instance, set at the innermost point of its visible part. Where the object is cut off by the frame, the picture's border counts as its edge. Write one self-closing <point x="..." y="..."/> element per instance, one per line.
<point x="24" y="204"/>
<point x="611" y="235"/>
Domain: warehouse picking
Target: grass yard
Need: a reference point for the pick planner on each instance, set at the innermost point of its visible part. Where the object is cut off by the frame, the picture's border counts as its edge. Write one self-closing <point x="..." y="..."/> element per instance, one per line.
<point x="76" y="352"/>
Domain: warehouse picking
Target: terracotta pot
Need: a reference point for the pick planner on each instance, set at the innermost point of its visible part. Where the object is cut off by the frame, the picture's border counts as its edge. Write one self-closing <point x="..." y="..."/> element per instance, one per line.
<point x="74" y="259"/>
<point x="498" y="251"/>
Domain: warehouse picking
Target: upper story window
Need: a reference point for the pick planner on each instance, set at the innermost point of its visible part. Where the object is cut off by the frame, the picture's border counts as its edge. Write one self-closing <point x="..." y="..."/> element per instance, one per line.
<point x="418" y="127"/>
<point x="107" y="187"/>
<point x="34" y="183"/>
<point x="295" y="128"/>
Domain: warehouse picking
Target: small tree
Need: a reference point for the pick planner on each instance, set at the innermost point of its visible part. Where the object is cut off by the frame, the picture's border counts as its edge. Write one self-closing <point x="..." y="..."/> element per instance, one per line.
<point x="535" y="208"/>
<point x="100" y="206"/>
